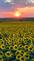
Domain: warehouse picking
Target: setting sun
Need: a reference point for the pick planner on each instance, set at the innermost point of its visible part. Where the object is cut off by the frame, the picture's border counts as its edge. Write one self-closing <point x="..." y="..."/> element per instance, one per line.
<point x="17" y="14"/>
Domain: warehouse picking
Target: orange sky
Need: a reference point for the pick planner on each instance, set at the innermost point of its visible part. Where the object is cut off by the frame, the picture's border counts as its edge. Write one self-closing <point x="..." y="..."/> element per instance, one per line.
<point x="19" y="12"/>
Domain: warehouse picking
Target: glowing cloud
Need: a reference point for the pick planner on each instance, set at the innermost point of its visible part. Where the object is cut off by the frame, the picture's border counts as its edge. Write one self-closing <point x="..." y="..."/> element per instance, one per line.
<point x="32" y="1"/>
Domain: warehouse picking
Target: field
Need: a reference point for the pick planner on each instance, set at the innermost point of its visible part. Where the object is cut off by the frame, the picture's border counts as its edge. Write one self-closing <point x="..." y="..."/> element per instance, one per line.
<point x="16" y="26"/>
<point x="17" y="41"/>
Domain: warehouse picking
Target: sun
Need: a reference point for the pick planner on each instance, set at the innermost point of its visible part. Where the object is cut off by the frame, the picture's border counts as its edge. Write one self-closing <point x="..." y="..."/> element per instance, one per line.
<point x="17" y="14"/>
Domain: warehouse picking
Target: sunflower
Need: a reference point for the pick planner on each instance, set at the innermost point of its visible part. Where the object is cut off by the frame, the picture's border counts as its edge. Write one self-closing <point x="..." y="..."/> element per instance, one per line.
<point x="31" y="48"/>
<point x="2" y="46"/>
<point x="26" y="55"/>
<point x="1" y="54"/>
<point x="8" y="54"/>
<point x="33" y="59"/>
<point x="15" y="47"/>
<point x="22" y="58"/>
<point x="18" y="57"/>
<point x="1" y="59"/>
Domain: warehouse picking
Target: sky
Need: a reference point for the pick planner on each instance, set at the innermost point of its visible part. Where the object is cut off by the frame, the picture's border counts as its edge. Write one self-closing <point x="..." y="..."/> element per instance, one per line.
<point x="16" y="8"/>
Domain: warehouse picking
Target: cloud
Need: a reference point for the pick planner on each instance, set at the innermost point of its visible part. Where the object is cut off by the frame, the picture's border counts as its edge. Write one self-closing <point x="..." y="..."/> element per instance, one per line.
<point x="12" y="4"/>
<point x="17" y="2"/>
<point x="24" y="8"/>
<point x="8" y="1"/>
<point x="32" y="1"/>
